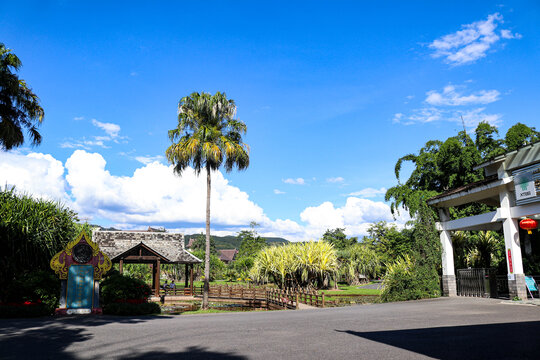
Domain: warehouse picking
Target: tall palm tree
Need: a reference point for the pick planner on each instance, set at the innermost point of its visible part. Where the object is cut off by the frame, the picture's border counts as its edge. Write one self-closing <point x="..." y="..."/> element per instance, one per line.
<point x="19" y="106"/>
<point x="207" y="136"/>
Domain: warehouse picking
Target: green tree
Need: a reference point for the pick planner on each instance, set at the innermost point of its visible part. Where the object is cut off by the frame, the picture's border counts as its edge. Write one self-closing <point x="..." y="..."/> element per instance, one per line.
<point x="519" y="135"/>
<point x="250" y="242"/>
<point x="199" y="244"/>
<point x="19" y="106"/>
<point x="207" y="136"/>
<point x="388" y="242"/>
<point x="486" y="142"/>
<point x="338" y="239"/>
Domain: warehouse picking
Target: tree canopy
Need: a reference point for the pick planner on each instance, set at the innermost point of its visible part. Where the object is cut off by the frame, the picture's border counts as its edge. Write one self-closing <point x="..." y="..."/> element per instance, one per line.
<point x="19" y="106"/>
<point x="443" y="165"/>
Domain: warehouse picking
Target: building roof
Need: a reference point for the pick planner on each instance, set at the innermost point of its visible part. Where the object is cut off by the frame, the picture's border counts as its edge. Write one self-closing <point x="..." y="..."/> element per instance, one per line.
<point x="227" y="255"/>
<point x="168" y="246"/>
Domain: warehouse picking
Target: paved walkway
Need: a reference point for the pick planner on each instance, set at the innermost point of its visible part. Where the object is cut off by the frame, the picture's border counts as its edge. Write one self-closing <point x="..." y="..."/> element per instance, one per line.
<point x="444" y="328"/>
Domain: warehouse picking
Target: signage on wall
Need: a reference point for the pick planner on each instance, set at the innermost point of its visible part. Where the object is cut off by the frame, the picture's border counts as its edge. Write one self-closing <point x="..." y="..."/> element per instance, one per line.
<point x="524" y="184"/>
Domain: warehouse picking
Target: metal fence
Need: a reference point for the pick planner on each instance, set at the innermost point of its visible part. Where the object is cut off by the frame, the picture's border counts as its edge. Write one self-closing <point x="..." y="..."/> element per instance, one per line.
<point x="477" y="282"/>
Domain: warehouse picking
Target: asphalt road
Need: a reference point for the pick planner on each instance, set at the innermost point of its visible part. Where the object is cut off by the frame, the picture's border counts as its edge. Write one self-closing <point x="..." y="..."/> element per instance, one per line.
<point x="445" y="328"/>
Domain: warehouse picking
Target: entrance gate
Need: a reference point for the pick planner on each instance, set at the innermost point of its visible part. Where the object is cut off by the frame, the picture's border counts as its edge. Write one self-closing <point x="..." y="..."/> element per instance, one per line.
<point x="477" y="282"/>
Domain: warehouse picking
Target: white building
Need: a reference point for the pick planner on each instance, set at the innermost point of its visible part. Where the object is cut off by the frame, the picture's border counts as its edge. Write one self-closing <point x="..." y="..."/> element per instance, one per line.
<point x="512" y="184"/>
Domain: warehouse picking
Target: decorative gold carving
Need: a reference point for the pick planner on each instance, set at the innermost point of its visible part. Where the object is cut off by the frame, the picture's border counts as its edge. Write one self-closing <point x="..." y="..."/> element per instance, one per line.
<point x="59" y="265"/>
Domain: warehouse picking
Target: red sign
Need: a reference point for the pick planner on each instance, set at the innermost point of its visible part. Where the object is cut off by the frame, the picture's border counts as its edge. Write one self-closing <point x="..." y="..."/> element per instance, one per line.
<point x="510" y="261"/>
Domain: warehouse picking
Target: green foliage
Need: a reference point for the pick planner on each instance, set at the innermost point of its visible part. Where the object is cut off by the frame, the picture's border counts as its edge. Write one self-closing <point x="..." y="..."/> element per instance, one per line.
<point x="388" y="242"/>
<point x="42" y="288"/>
<point x="519" y="135"/>
<point x="338" y="239"/>
<point x="127" y="309"/>
<point x="33" y="231"/>
<point x="304" y="265"/>
<point x="440" y="166"/>
<point x="138" y="271"/>
<point x="217" y="267"/>
<point x="199" y="244"/>
<point x="403" y="281"/>
<point x="250" y="242"/>
<point x="19" y="105"/>
<point x="117" y="288"/>
<point x="360" y="260"/>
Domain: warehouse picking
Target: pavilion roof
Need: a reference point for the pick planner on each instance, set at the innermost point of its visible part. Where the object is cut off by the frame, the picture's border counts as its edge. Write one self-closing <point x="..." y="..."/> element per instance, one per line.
<point x="167" y="246"/>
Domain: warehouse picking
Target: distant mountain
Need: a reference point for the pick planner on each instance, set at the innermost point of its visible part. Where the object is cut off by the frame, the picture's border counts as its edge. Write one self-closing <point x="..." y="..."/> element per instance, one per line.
<point x="232" y="242"/>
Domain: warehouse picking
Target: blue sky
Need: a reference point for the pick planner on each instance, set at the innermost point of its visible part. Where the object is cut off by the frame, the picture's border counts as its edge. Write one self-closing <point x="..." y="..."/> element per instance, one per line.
<point x="333" y="93"/>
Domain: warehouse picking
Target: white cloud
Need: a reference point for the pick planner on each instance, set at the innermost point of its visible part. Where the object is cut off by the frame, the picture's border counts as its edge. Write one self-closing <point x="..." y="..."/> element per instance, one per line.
<point x="451" y="96"/>
<point x="149" y="159"/>
<point x="472" y="42"/>
<point x="369" y="192"/>
<point x="450" y="104"/>
<point x="297" y="181"/>
<point x="35" y="174"/>
<point x="474" y="116"/>
<point x="338" y="179"/>
<point x="111" y="129"/>
<point x="278" y="192"/>
<point x="153" y="195"/>
<point x="78" y="118"/>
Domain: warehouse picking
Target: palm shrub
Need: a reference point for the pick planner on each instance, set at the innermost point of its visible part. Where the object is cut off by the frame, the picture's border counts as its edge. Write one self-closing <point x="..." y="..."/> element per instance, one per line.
<point x="305" y="265"/>
<point x="360" y="260"/>
<point x="32" y="232"/>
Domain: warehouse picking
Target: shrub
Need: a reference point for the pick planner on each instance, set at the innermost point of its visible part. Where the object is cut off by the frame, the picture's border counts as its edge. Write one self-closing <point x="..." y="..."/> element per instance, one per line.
<point x="33" y="231"/>
<point x="405" y="280"/>
<point x="119" y="288"/>
<point x="32" y="294"/>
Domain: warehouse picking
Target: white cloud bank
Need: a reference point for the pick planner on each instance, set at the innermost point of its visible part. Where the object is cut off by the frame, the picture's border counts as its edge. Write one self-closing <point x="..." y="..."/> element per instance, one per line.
<point x="472" y="42"/>
<point x="153" y="195"/>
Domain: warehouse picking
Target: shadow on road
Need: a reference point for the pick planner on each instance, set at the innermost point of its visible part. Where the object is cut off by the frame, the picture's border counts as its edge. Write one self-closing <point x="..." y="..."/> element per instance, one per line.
<point x="495" y="341"/>
<point x="50" y="339"/>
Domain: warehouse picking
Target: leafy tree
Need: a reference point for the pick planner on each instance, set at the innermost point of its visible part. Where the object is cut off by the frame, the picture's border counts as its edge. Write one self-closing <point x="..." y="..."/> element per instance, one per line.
<point x="19" y="106"/>
<point x="207" y="136"/>
<point x="250" y="242"/>
<point x="338" y="239"/>
<point x="519" y="135"/>
<point x="388" y="242"/>
<point x="199" y="244"/>
<point x="361" y="260"/>
<point x="486" y="142"/>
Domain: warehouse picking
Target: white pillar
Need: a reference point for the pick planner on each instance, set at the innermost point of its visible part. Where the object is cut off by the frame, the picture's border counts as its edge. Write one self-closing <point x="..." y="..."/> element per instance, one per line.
<point x="514" y="262"/>
<point x="448" y="276"/>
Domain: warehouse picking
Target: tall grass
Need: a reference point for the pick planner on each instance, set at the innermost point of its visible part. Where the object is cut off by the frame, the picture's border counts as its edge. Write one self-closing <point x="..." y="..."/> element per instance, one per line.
<point x="32" y="231"/>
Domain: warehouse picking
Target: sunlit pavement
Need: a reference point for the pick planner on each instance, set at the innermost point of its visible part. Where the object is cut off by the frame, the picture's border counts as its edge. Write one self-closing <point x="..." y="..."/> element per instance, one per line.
<point x="444" y="328"/>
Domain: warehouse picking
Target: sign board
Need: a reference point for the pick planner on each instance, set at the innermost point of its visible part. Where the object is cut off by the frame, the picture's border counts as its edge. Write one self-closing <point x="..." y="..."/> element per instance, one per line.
<point x="80" y="289"/>
<point x="524" y="185"/>
<point x="531" y="284"/>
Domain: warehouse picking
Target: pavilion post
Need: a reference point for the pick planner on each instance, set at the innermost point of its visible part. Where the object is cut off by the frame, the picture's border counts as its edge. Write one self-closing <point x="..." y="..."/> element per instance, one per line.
<point x="191" y="279"/>
<point x="186" y="277"/>
<point x="157" y="276"/>
<point x="448" y="272"/>
<point x="121" y="266"/>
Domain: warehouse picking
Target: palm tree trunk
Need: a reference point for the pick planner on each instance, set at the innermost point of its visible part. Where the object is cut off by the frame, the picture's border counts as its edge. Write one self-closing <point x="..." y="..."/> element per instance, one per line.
<point x="207" y="252"/>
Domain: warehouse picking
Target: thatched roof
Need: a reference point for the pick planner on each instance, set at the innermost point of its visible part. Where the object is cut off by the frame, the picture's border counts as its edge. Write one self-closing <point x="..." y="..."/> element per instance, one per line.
<point x="169" y="246"/>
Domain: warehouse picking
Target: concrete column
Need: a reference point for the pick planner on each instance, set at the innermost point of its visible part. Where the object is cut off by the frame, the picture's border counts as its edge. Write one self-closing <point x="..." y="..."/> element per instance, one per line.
<point x="449" y="275"/>
<point x="514" y="262"/>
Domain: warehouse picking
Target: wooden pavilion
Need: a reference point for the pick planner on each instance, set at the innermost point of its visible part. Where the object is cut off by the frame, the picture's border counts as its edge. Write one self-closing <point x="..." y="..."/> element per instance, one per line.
<point x="153" y="247"/>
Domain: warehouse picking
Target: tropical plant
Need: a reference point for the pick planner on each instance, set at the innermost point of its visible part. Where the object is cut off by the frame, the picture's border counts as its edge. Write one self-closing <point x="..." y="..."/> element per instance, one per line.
<point x="299" y="265"/>
<point x="19" y="106"/>
<point x="32" y="231"/>
<point x="207" y="136"/>
<point x="361" y="260"/>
